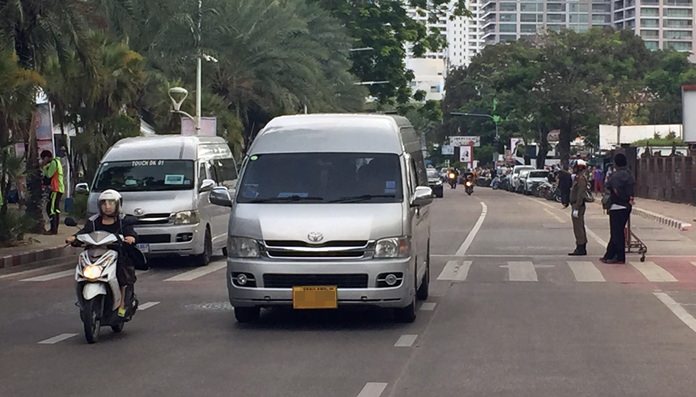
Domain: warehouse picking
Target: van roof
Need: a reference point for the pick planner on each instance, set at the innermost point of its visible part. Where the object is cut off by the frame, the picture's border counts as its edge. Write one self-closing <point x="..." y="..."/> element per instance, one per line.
<point x="373" y="133"/>
<point x="160" y="147"/>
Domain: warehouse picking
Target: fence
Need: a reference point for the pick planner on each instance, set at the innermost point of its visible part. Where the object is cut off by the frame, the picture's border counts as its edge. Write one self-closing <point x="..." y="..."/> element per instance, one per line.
<point x="670" y="178"/>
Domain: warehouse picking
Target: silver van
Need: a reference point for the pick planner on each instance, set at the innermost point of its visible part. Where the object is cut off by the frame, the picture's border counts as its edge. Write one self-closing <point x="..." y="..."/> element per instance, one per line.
<point x="330" y="210"/>
<point x="165" y="182"/>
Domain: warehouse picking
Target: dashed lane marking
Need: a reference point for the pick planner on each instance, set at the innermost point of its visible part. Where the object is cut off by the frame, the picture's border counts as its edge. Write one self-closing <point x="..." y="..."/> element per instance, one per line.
<point x="197" y="273"/>
<point x="406" y="341"/>
<point x="51" y="276"/>
<point x="373" y="389"/>
<point x="56" y="339"/>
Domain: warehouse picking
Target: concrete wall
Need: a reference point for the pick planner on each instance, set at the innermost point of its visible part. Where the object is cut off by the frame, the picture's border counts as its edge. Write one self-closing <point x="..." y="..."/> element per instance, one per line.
<point x="667" y="178"/>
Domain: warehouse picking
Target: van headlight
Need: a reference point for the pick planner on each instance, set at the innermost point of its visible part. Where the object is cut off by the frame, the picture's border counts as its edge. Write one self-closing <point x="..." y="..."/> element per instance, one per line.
<point x="186" y="218"/>
<point x="241" y="247"/>
<point x="398" y="247"/>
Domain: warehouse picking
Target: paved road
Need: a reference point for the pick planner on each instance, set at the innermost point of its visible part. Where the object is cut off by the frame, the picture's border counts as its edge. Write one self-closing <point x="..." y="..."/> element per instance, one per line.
<point x="510" y="314"/>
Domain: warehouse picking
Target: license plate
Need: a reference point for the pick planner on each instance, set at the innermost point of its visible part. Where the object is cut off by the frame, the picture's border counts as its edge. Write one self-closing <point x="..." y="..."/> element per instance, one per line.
<point x="144" y="248"/>
<point x="314" y="297"/>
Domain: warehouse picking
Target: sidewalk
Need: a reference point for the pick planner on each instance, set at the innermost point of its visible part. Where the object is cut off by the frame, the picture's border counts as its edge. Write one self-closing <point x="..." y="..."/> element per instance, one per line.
<point x="35" y="248"/>
<point x="678" y="216"/>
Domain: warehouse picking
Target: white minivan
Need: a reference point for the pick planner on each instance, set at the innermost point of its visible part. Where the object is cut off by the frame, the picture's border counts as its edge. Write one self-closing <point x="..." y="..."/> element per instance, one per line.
<point x="165" y="182"/>
<point x="331" y="210"/>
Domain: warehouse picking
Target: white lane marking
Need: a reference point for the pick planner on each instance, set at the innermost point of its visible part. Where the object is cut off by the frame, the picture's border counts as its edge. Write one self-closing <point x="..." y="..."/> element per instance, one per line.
<point x="586" y="272"/>
<point x="653" y="272"/>
<point x="472" y="234"/>
<point x="522" y="271"/>
<point x="406" y="341"/>
<point x="558" y="218"/>
<point x="56" y="339"/>
<point x="677" y="309"/>
<point x="147" y="305"/>
<point x="51" y="276"/>
<point x="372" y="389"/>
<point x="31" y="271"/>
<point x="428" y="306"/>
<point x="196" y="273"/>
<point x="455" y="271"/>
<point x="536" y="256"/>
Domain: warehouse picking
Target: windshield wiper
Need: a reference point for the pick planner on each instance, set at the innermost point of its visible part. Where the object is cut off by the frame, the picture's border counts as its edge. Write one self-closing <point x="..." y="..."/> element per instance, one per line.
<point x="364" y="197"/>
<point x="293" y="198"/>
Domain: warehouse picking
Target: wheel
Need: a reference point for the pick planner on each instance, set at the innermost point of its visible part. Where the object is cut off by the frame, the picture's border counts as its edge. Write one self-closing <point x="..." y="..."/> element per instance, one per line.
<point x="117" y="328"/>
<point x="247" y="314"/>
<point x="204" y="258"/>
<point x="91" y="319"/>
<point x="424" y="289"/>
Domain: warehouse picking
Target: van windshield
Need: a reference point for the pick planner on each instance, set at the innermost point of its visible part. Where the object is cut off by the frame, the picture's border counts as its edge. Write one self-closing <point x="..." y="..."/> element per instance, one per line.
<point x="321" y="178"/>
<point x="145" y="175"/>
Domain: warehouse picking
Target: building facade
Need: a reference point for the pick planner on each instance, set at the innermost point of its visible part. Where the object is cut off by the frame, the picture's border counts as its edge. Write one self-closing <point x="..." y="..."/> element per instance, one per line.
<point x="663" y="24"/>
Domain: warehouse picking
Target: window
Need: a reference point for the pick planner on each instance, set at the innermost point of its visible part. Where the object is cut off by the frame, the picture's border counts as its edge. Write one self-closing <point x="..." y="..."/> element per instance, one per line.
<point x="678" y="45"/>
<point x="532" y="7"/>
<point x="508" y="6"/>
<point x="145" y="175"/>
<point x="650" y="34"/>
<point x="508" y="28"/>
<point x="225" y="172"/>
<point x="618" y="15"/>
<point x="599" y="19"/>
<point x="650" y="2"/>
<point x="631" y="13"/>
<point x="531" y="18"/>
<point x="507" y="37"/>
<point x="649" y="12"/>
<point x="676" y="23"/>
<point x="678" y="13"/>
<point x="555" y="28"/>
<point x="580" y="18"/>
<point x="649" y="23"/>
<point x="527" y="28"/>
<point x="435" y="88"/>
<point x="576" y="7"/>
<point x="555" y="7"/>
<point x="508" y="18"/>
<point x="601" y="8"/>
<point x="556" y="18"/>
<point x="677" y="35"/>
<point x="678" y="2"/>
<point x="322" y="178"/>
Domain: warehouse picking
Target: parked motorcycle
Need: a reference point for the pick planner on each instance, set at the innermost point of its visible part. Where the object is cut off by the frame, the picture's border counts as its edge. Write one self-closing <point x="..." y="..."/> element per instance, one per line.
<point x="98" y="292"/>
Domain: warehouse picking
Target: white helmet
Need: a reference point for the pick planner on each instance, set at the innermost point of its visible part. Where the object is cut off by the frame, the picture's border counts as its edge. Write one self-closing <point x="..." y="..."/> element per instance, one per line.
<point x="111" y="195"/>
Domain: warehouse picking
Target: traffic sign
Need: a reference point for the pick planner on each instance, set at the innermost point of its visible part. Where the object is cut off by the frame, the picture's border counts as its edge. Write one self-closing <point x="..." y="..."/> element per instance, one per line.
<point x="465" y="141"/>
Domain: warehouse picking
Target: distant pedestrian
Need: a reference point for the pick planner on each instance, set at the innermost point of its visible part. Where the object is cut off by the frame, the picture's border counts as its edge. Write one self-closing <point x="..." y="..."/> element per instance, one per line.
<point x="578" y="194"/>
<point x="565" y="182"/>
<point x="52" y="170"/>
<point x="620" y="186"/>
<point x="598" y="180"/>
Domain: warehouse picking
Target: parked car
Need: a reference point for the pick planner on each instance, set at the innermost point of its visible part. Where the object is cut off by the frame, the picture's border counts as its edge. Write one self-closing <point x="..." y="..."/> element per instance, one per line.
<point x="534" y="179"/>
<point x="435" y="182"/>
<point x="514" y="177"/>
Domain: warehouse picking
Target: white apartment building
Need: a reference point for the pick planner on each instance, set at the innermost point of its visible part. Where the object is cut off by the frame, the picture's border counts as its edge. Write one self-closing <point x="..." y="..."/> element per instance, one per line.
<point x="663" y="24"/>
<point x="429" y="76"/>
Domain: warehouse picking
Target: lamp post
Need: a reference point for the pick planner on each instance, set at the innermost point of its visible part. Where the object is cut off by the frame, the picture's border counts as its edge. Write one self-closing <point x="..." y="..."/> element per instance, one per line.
<point x="484" y="115"/>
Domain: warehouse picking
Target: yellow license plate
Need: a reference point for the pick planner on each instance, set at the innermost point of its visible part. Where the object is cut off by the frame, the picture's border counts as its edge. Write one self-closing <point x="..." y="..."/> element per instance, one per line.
<point x="314" y="297"/>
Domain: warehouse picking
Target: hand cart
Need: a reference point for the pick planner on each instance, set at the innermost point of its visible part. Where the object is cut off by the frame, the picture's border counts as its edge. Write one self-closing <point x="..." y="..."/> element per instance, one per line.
<point x="633" y="242"/>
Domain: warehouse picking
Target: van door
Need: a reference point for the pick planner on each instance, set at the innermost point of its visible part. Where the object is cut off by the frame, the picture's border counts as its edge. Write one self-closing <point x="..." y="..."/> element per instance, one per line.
<point x="224" y="172"/>
<point x="205" y="209"/>
<point x="420" y="226"/>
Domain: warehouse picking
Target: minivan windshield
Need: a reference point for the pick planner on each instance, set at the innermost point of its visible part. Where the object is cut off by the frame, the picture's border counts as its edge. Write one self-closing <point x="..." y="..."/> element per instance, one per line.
<point x="538" y="174"/>
<point x="145" y="175"/>
<point x="321" y="178"/>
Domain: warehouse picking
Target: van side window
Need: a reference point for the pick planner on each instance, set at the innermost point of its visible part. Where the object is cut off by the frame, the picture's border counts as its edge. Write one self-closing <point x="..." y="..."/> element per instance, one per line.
<point x="213" y="172"/>
<point x="202" y="173"/>
<point x="226" y="170"/>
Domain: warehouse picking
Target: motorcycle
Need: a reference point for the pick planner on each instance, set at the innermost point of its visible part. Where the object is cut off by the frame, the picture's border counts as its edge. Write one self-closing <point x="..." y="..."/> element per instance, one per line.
<point x="469" y="187"/>
<point x="98" y="292"/>
<point x="452" y="180"/>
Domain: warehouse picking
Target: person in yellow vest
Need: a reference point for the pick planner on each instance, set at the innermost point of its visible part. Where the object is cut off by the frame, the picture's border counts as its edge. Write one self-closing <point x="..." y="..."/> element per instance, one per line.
<point x="53" y="172"/>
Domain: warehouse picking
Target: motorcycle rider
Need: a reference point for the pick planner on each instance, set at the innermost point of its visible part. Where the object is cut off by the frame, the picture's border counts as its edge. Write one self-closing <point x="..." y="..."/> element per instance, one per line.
<point x="111" y="220"/>
<point x="453" y="176"/>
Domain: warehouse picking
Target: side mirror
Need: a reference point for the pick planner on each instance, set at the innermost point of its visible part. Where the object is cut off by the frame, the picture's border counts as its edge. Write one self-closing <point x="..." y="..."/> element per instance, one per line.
<point x="207" y="185"/>
<point x="422" y="197"/>
<point x="220" y="196"/>
<point x="70" y="222"/>
<point x="82" y="188"/>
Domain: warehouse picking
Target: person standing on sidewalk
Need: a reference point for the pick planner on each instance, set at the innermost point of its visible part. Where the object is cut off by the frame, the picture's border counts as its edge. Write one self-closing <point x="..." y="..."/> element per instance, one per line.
<point x="578" y="193"/>
<point x="620" y="187"/>
<point x="53" y="171"/>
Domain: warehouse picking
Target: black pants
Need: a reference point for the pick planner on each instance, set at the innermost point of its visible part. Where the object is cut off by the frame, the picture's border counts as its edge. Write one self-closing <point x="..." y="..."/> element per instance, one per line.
<point x="616" y="249"/>
<point x="565" y="197"/>
<point x="53" y="210"/>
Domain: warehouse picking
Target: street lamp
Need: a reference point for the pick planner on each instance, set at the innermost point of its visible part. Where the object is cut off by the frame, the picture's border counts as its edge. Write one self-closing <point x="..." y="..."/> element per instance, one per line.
<point x="495" y="120"/>
<point x="178" y="96"/>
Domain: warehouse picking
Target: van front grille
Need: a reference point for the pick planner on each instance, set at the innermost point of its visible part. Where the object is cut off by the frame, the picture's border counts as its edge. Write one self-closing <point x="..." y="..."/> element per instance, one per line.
<point x="295" y="280"/>
<point x="153" y="219"/>
<point x="301" y="249"/>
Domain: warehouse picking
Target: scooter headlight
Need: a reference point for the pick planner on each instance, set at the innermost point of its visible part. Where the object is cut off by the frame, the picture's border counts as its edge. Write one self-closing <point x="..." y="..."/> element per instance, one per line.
<point x="92" y="272"/>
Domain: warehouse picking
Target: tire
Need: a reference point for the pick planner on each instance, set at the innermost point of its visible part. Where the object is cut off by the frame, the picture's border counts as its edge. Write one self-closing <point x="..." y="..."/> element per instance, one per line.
<point x="247" y="314"/>
<point x="424" y="290"/>
<point x="91" y="319"/>
<point x="204" y="258"/>
<point x="117" y="328"/>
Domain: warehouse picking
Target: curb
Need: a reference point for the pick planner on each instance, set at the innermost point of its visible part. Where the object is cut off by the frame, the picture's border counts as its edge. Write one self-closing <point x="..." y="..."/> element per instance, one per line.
<point x="34" y="256"/>
<point x="667" y="221"/>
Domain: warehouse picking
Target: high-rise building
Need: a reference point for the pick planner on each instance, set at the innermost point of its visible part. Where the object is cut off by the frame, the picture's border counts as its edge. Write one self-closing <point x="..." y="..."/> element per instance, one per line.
<point x="662" y="24"/>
